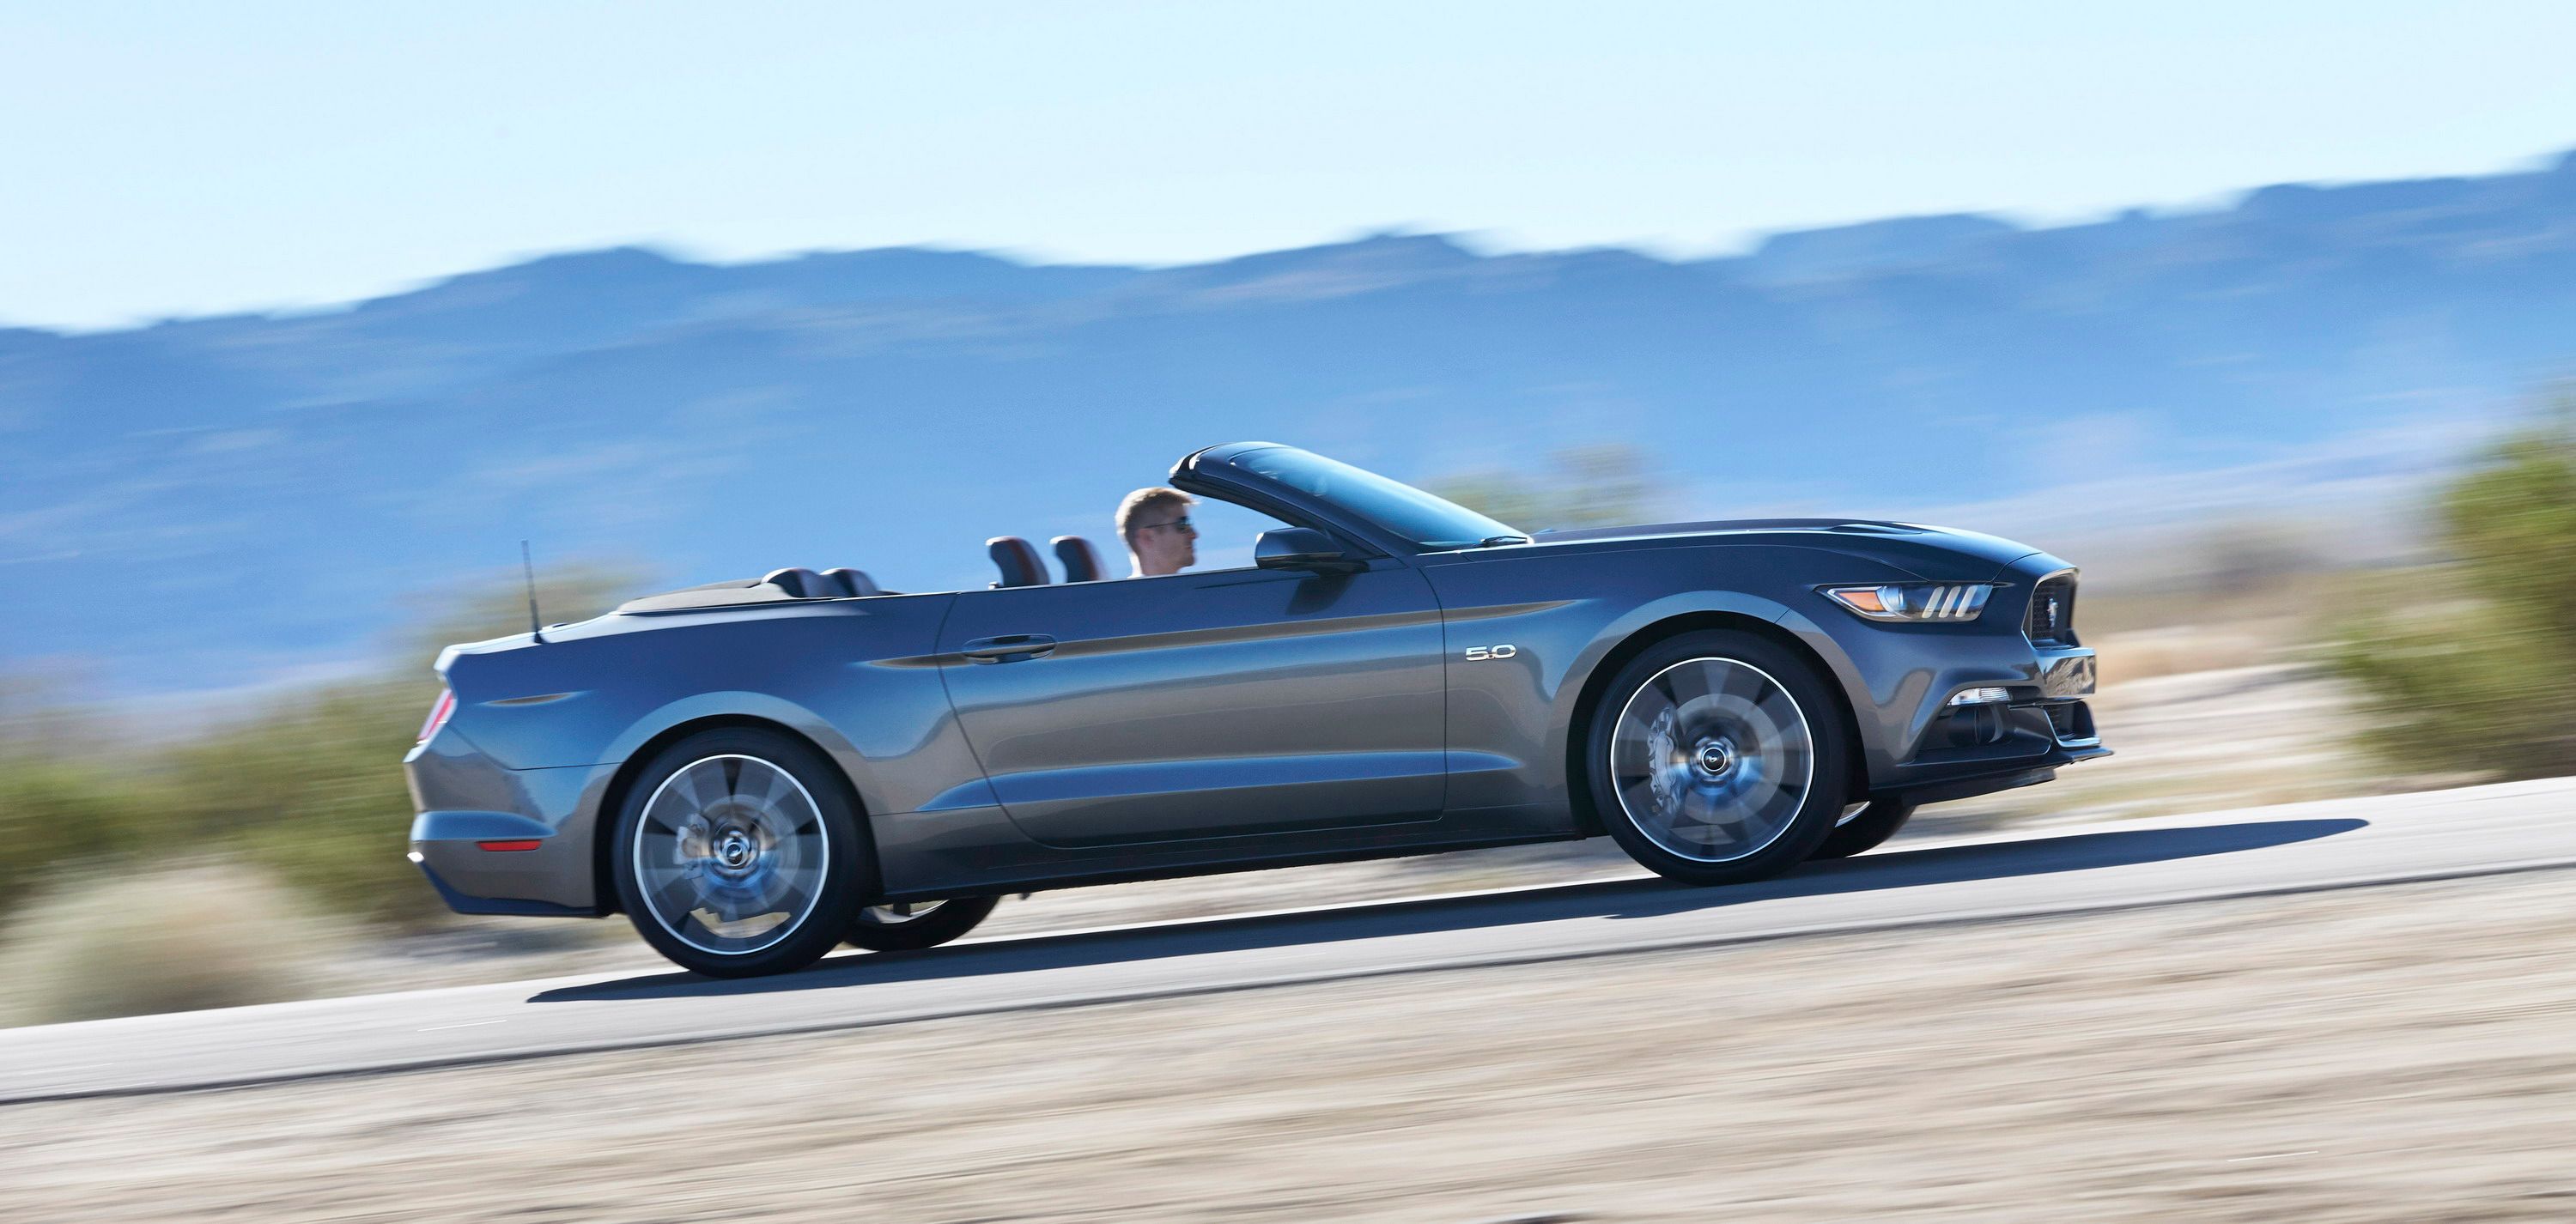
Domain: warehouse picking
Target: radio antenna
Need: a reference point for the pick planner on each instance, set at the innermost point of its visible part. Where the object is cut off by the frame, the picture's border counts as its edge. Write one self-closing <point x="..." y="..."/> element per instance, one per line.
<point x="536" y="628"/>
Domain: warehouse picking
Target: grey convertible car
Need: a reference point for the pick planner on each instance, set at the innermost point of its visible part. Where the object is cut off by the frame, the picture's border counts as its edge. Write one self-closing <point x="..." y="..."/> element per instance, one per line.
<point x="756" y="771"/>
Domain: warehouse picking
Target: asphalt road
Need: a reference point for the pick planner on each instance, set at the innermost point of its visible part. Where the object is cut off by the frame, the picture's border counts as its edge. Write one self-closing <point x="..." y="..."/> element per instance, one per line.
<point x="2345" y="843"/>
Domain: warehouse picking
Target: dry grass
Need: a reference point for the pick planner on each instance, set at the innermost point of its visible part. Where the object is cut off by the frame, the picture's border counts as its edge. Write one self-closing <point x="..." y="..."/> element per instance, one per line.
<point x="169" y="939"/>
<point x="2148" y="654"/>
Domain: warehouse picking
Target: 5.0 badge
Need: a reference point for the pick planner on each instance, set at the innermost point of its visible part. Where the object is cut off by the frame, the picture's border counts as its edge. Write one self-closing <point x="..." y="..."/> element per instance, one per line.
<point x="1504" y="651"/>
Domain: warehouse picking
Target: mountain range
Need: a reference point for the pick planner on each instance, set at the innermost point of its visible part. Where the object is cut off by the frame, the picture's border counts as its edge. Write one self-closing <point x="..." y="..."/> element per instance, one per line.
<point x="211" y="502"/>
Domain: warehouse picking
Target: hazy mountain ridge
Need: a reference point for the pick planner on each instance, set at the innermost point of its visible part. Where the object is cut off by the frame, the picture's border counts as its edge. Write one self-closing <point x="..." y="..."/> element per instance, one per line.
<point x="198" y="499"/>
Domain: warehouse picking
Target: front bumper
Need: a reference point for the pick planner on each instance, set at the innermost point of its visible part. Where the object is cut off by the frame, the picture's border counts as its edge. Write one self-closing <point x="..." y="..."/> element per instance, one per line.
<point x="1967" y="781"/>
<point x="1963" y="751"/>
<point x="1917" y="746"/>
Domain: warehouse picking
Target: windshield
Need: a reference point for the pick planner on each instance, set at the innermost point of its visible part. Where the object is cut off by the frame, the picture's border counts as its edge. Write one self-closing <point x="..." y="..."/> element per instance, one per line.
<point x="1428" y="521"/>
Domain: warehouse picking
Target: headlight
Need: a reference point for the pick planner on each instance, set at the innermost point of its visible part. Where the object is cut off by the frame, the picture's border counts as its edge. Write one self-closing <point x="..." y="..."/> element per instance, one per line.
<point x="1922" y="601"/>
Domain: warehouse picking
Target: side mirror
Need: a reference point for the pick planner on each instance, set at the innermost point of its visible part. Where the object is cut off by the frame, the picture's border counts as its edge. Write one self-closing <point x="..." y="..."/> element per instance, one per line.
<point x="1296" y="548"/>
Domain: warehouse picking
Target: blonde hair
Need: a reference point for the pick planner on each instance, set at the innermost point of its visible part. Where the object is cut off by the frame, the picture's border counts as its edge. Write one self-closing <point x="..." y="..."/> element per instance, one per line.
<point x="1135" y="505"/>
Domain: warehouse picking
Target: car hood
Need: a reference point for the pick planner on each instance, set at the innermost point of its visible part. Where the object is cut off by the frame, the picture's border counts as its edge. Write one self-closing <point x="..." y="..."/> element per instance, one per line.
<point x="1937" y="554"/>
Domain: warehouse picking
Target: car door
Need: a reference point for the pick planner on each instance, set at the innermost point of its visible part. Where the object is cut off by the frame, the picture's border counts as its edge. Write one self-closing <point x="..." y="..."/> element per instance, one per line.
<point x="1203" y="705"/>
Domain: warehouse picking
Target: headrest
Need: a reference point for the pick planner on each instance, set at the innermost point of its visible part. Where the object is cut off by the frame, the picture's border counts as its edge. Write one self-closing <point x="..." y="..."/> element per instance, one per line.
<point x="1018" y="560"/>
<point x="847" y="581"/>
<point x="796" y="581"/>
<point x="1080" y="560"/>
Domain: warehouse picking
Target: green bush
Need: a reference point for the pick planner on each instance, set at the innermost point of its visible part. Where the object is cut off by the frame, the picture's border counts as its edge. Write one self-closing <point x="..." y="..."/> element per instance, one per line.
<point x="2471" y="671"/>
<point x="55" y="814"/>
<point x="313" y="791"/>
<point x="308" y="790"/>
<point x="62" y="803"/>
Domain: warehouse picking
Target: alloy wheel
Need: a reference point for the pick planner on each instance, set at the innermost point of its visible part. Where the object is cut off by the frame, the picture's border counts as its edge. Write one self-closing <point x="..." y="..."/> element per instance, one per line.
<point x="731" y="854"/>
<point x="1712" y="759"/>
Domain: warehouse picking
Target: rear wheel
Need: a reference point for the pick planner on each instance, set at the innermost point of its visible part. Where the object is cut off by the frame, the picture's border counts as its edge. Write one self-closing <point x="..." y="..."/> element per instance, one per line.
<point x="906" y="925"/>
<point x="737" y="852"/>
<point x="1863" y="830"/>
<point x="1717" y="757"/>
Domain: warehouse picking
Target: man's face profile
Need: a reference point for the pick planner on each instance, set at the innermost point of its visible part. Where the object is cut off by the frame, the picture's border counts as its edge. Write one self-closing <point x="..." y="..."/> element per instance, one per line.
<point x="1165" y="541"/>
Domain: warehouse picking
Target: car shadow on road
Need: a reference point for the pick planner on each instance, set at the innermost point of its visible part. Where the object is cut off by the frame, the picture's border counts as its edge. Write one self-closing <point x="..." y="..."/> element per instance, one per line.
<point x="1615" y="899"/>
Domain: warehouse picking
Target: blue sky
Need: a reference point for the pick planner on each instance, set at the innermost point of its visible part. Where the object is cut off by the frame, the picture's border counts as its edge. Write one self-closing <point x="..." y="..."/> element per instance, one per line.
<point x="161" y="159"/>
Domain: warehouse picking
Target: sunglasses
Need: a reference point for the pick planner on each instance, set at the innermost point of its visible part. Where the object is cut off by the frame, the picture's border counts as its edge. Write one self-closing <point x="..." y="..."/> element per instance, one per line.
<point x="1182" y="524"/>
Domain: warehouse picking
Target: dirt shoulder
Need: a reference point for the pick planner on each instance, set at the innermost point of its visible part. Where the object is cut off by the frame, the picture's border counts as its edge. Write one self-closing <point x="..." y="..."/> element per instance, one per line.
<point x="2396" y="1053"/>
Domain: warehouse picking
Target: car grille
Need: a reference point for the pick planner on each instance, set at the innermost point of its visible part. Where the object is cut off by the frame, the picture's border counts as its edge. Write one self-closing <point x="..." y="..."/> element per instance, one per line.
<point x="2052" y="610"/>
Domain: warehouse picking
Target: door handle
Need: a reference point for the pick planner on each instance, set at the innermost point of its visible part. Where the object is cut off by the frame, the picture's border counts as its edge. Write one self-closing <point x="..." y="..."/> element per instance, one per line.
<point x="1008" y="648"/>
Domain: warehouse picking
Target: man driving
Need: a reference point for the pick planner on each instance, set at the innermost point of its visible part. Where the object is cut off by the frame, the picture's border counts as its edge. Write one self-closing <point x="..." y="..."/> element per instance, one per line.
<point x="1155" y="522"/>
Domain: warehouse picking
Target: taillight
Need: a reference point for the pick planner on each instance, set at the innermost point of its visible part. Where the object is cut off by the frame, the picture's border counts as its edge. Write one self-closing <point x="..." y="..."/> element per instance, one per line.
<point x="438" y="714"/>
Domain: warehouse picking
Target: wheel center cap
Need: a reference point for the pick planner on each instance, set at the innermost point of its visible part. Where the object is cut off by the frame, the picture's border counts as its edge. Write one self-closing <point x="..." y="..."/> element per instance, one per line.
<point x="1714" y="757"/>
<point x="735" y="849"/>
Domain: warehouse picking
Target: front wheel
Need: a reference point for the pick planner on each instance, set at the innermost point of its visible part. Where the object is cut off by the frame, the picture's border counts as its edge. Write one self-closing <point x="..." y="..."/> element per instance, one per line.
<point x="906" y="925"/>
<point x="737" y="853"/>
<point x="1717" y="758"/>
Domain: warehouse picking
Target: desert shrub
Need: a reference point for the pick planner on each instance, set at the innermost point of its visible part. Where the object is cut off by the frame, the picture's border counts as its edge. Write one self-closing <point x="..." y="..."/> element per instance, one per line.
<point x="57" y="812"/>
<point x="62" y="799"/>
<point x="313" y="791"/>
<point x="2471" y="671"/>
<point x="309" y="787"/>
<point x="169" y="938"/>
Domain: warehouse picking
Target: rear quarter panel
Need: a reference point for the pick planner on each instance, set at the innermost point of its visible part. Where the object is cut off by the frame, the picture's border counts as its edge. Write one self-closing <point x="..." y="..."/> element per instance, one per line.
<point x="856" y="677"/>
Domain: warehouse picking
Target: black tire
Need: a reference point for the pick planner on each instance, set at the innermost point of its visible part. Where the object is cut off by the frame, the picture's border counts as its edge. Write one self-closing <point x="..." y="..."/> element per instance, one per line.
<point x="885" y="928"/>
<point x="1716" y="810"/>
<point x="1866" y="829"/>
<point x="724" y="823"/>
